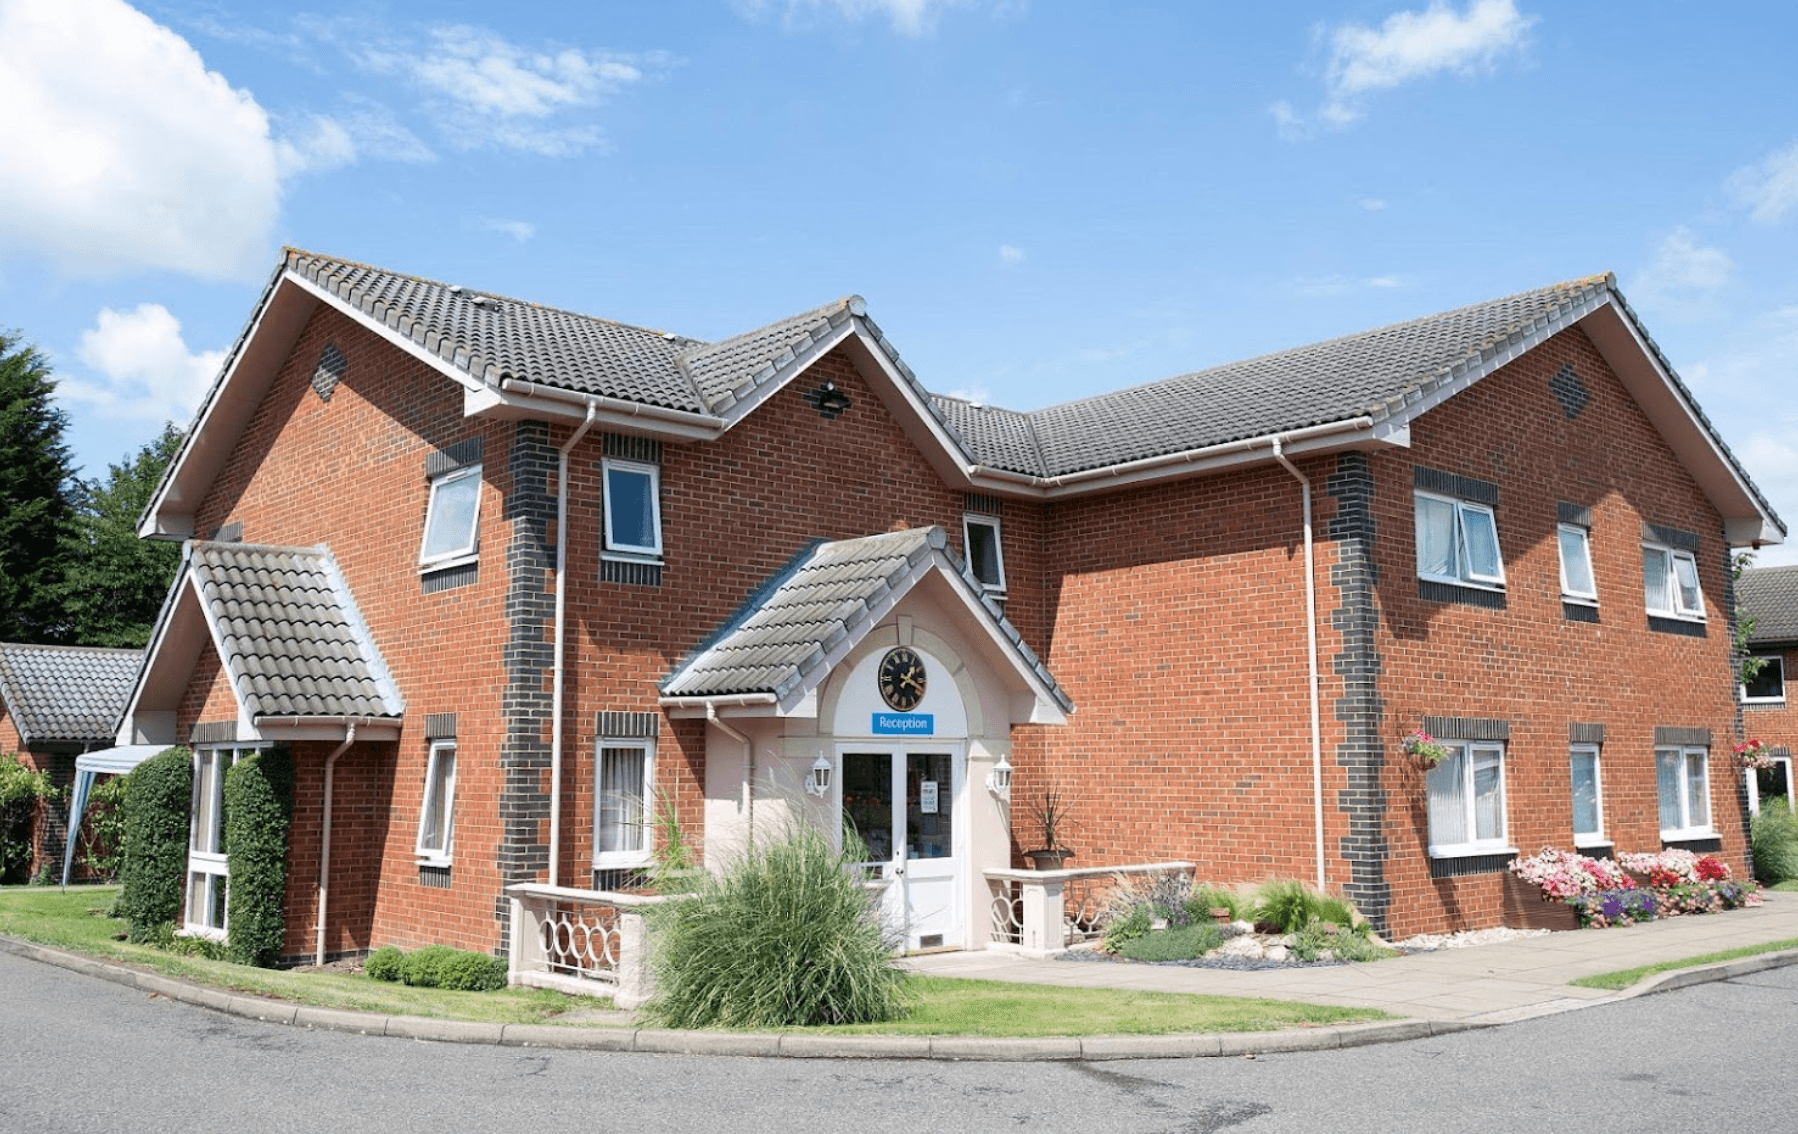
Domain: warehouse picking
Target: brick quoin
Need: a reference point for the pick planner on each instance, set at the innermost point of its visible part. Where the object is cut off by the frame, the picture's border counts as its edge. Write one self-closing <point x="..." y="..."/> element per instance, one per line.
<point x="1173" y="613"/>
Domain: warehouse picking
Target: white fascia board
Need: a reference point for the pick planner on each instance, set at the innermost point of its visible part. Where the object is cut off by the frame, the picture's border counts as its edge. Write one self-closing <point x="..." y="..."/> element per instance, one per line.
<point x="1638" y="364"/>
<point x="391" y="697"/>
<point x="226" y="409"/>
<point x="820" y="347"/>
<point x="944" y="450"/>
<point x="326" y="728"/>
<point x="152" y="650"/>
<point x="521" y="399"/>
<point x="415" y="349"/>
<point x="1048" y="708"/>
<point x="245" y="723"/>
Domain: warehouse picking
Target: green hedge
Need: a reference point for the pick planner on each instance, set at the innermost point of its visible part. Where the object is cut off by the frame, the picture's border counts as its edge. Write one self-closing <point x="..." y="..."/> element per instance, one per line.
<point x="156" y="808"/>
<point x="20" y="791"/>
<point x="439" y="966"/>
<point x="258" y="812"/>
<point x="383" y="964"/>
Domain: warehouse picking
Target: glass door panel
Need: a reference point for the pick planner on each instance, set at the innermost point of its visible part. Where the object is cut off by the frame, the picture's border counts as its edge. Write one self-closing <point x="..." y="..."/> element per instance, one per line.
<point x="929" y="805"/>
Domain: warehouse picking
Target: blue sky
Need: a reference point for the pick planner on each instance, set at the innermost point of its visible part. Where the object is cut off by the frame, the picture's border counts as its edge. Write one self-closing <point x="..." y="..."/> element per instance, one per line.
<point x="1039" y="200"/>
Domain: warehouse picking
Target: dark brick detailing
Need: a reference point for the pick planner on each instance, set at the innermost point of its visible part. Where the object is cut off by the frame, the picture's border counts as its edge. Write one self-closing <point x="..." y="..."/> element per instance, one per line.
<point x="1697" y="846"/>
<point x="631" y="448"/>
<point x="213" y="732"/>
<point x="1579" y="612"/>
<point x="611" y="724"/>
<point x="328" y="372"/>
<point x="1585" y="734"/>
<point x="1467" y="728"/>
<point x="630" y="571"/>
<point x="1456" y="485"/>
<point x="448" y="579"/>
<point x="1672" y="537"/>
<point x="1674" y="734"/>
<point x="1468" y="865"/>
<point x="1432" y="591"/>
<point x="522" y="855"/>
<point x="436" y="877"/>
<point x="459" y="455"/>
<point x="1569" y="391"/>
<point x="1577" y="514"/>
<point x="439" y="726"/>
<point x="1360" y="710"/>
<point x="1682" y="626"/>
<point x="982" y="504"/>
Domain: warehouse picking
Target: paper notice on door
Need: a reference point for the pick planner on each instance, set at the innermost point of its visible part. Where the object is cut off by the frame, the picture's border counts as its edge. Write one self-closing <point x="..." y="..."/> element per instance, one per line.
<point x="927" y="796"/>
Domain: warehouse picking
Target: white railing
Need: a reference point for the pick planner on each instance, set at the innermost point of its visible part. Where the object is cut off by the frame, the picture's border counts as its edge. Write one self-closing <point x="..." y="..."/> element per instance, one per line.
<point x="590" y="942"/>
<point x="1045" y="911"/>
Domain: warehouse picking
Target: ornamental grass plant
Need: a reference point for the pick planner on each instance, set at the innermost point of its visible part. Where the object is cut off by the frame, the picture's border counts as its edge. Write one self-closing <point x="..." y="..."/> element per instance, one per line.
<point x="1773" y="837"/>
<point x="787" y="935"/>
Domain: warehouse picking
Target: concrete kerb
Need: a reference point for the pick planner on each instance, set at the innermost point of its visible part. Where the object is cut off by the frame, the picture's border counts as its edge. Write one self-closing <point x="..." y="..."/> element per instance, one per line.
<point x="796" y="1046"/>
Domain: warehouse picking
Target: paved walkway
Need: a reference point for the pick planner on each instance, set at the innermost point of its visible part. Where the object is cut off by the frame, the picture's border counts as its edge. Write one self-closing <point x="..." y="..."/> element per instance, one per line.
<point x="1483" y="984"/>
<point x="1440" y="992"/>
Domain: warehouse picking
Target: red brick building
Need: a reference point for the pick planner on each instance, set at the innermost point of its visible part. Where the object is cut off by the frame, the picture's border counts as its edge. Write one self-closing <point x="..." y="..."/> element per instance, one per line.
<point x="1769" y="596"/>
<point x="507" y="576"/>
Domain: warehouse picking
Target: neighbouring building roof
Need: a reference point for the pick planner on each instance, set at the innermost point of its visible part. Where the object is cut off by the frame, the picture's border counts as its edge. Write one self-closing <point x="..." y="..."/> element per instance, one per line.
<point x="1769" y="595"/>
<point x="289" y="633"/>
<point x="66" y="693"/>
<point x="787" y="637"/>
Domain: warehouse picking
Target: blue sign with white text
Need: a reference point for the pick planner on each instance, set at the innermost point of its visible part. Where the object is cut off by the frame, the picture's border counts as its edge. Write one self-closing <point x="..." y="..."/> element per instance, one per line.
<point x="904" y="724"/>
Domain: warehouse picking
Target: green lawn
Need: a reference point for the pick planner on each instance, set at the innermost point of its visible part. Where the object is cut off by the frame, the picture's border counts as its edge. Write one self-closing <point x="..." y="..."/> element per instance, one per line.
<point x="74" y="920"/>
<point x="1624" y="978"/>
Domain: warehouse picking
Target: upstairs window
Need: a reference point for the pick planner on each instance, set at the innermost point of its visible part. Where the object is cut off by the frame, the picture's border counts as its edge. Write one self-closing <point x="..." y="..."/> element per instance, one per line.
<point x="1457" y="542"/>
<point x="1769" y="685"/>
<point x="1577" y="583"/>
<point x="985" y="560"/>
<point x="633" y="510"/>
<point x="1682" y="781"/>
<point x="436" y="818"/>
<point x="1670" y="583"/>
<point x="452" y="520"/>
<point x="1467" y="799"/>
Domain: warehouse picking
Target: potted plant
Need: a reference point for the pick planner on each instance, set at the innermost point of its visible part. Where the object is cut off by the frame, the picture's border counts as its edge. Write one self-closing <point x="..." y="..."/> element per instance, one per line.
<point x="1754" y="754"/>
<point x="1424" y="746"/>
<point x="1050" y="811"/>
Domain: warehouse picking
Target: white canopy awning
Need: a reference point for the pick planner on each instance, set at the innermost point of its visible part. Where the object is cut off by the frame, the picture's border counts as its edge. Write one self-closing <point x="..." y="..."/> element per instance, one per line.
<point x="89" y="766"/>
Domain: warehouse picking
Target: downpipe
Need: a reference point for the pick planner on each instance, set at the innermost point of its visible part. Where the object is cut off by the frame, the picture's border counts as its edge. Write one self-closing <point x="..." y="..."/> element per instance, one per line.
<point x="1317" y="759"/>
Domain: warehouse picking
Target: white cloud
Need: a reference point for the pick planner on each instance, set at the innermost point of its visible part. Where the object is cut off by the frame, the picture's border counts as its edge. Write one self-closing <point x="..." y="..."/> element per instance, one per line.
<point x="1372" y="204"/>
<point x="1681" y="271"/>
<point x="1406" y="47"/>
<point x="1010" y="254"/>
<point x="127" y="152"/>
<point x="147" y="369"/>
<point x="487" y="91"/>
<point x="1769" y="188"/>
<point x="979" y="395"/>
<point x="1340" y="284"/>
<point x="908" y="17"/>
<point x="518" y="230"/>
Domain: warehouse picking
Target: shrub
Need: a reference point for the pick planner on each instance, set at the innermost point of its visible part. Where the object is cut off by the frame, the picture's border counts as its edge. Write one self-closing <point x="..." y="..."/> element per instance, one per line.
<point x="258" y="811"/>
<point x="1343" y="943"/>
<point x="21" y="789"/>
<point x="1208" y="897"/>
<point x="156" y="806"/>
<point x="1284" y="904"/>
<point x="1184" y="943"/>
<point x="1773" y="836"/>
<point x="785" y="936"/>
<point x="1130" y="927"/>
<point x="383" y="964"/>
<point x="103" y="828"/>
<point x="455" y="970"/>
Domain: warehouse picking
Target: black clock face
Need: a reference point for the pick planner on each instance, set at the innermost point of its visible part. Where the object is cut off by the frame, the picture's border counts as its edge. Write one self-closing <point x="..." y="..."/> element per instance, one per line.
<point x="902" y="679"/>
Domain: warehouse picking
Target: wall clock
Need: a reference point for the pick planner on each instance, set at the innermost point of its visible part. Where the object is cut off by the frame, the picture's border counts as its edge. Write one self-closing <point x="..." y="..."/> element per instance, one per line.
<point x="902" y="678"/>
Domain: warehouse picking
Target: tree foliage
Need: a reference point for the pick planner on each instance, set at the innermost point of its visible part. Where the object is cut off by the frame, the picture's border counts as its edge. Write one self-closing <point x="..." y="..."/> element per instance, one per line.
<point x="37" y="484"/>
<point x="258" y="812"/>
<point x="156" y="811"/>
<point x="115" y="582"/>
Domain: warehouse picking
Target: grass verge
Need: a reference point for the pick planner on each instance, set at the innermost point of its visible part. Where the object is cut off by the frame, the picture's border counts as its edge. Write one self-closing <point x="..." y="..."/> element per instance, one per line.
<point x="73" y="921"/>
<point x="1623" y="978"/>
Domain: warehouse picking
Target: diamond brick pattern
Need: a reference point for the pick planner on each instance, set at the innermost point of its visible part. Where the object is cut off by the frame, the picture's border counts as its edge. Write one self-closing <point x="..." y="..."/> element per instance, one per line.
<point x="70" y="693"/>
<point x="289" y="633"/>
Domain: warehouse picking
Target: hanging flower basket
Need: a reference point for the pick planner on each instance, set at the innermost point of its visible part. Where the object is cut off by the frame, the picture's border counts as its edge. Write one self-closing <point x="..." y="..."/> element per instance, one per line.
<point x="1754" y="754"/>
<point x="1424" y="747"/>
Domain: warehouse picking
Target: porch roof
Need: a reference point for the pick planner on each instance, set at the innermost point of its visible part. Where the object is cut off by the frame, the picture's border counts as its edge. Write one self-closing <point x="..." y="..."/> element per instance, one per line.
<point x="65" y="693"/>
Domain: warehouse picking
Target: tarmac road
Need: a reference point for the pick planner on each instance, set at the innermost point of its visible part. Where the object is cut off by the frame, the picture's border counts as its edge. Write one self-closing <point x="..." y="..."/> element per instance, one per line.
<point x="80" y="1054"/>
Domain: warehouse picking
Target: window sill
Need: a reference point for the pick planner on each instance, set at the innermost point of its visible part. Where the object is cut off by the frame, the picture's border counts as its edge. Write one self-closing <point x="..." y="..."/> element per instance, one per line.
<point x="204" y="933"/>
<point x="1580" y="600"/>
<point x="1589" y="841"/>
<point x="437" y="861"/>
<point x="622" y="861"/>
<point x="1470" y="584"/>
<point x="1686" y="836"/>
<point x="619" y="556"/>
<point x="1774" y="701"/>
<point x="1471" y="850"/>
<point x="437" y="565"/>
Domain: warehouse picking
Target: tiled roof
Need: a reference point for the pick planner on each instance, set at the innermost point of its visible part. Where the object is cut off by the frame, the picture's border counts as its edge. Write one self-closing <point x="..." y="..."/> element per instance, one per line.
<point x="494" y="337"/>
<point x="788" y="635"/>
<point x="67" y="693"/>
<point x="1370" y="373"/>
<point x="289" y="633"/>
<point x="1769" y="595"/>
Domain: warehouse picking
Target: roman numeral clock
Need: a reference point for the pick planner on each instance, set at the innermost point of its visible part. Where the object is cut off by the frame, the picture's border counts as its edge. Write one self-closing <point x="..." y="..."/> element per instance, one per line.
<point x="902" y="679"/>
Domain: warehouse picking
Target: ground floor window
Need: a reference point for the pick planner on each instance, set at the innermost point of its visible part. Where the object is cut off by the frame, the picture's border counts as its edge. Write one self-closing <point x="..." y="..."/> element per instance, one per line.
<point x="1682" y="780"/>
<point x="1588" y="797"/>
<point x="208" y="873"/>
<point x="624" y="777"/>
<point x="1772" y="786"/>
<point x="1467" y="799"/>
<point x="436" y="820"/>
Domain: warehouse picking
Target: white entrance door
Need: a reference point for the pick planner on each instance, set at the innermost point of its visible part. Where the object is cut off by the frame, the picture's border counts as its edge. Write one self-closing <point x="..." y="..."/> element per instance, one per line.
<point x="902" y="804"/>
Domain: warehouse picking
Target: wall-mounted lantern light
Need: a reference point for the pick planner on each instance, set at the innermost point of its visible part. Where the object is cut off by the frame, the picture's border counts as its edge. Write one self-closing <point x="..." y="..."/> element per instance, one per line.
<point x="998" y="781"/>
<point x="818" y="781"/>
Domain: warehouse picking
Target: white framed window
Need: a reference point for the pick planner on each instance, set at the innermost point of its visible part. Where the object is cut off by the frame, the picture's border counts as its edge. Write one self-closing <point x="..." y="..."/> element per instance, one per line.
<point x="1457" y="542"/>
<point x="208" y="872"/>
<point x="1769" y="685"/>
<point x="980" y="535"/>
<point x="1682" y="781"/>
<point x="1467" y="799"/>
<point x="1577" y="582"/>
<point x="633" y="519"/>
<point x="623" y="780"/>
<point x="1772" y="786"/>
<point x="452" y="519"/>
<point x="1588" y="796"/>
<point x="437" y="815"/>
<point x="1670" y="583"/>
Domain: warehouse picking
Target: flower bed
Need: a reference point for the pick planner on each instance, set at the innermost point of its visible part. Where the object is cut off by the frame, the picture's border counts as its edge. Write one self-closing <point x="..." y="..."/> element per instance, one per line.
<point x="1636" y="887"/>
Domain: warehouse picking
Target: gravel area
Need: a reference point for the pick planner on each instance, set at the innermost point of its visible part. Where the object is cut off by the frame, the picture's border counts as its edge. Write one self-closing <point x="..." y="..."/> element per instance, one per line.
<point x="1430" y="942"/>
<point x="1423" y="943"/>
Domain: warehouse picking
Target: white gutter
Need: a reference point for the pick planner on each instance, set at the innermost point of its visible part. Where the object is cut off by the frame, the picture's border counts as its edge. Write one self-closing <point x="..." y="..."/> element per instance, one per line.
<point x="1190" y="455"/>
<point x="729" y="700"/>
<point x="706" y="423"/>
<point x="712" y="717"/>
<point x="324" y="856"/>
<point x="1317" y="759"/>
<point x="556" y="707"/>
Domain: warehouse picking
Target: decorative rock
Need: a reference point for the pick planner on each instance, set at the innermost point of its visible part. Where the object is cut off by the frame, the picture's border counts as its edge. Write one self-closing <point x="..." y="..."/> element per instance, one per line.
<point x="1242" y="946"/>
<point x="1275" y="953"/>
